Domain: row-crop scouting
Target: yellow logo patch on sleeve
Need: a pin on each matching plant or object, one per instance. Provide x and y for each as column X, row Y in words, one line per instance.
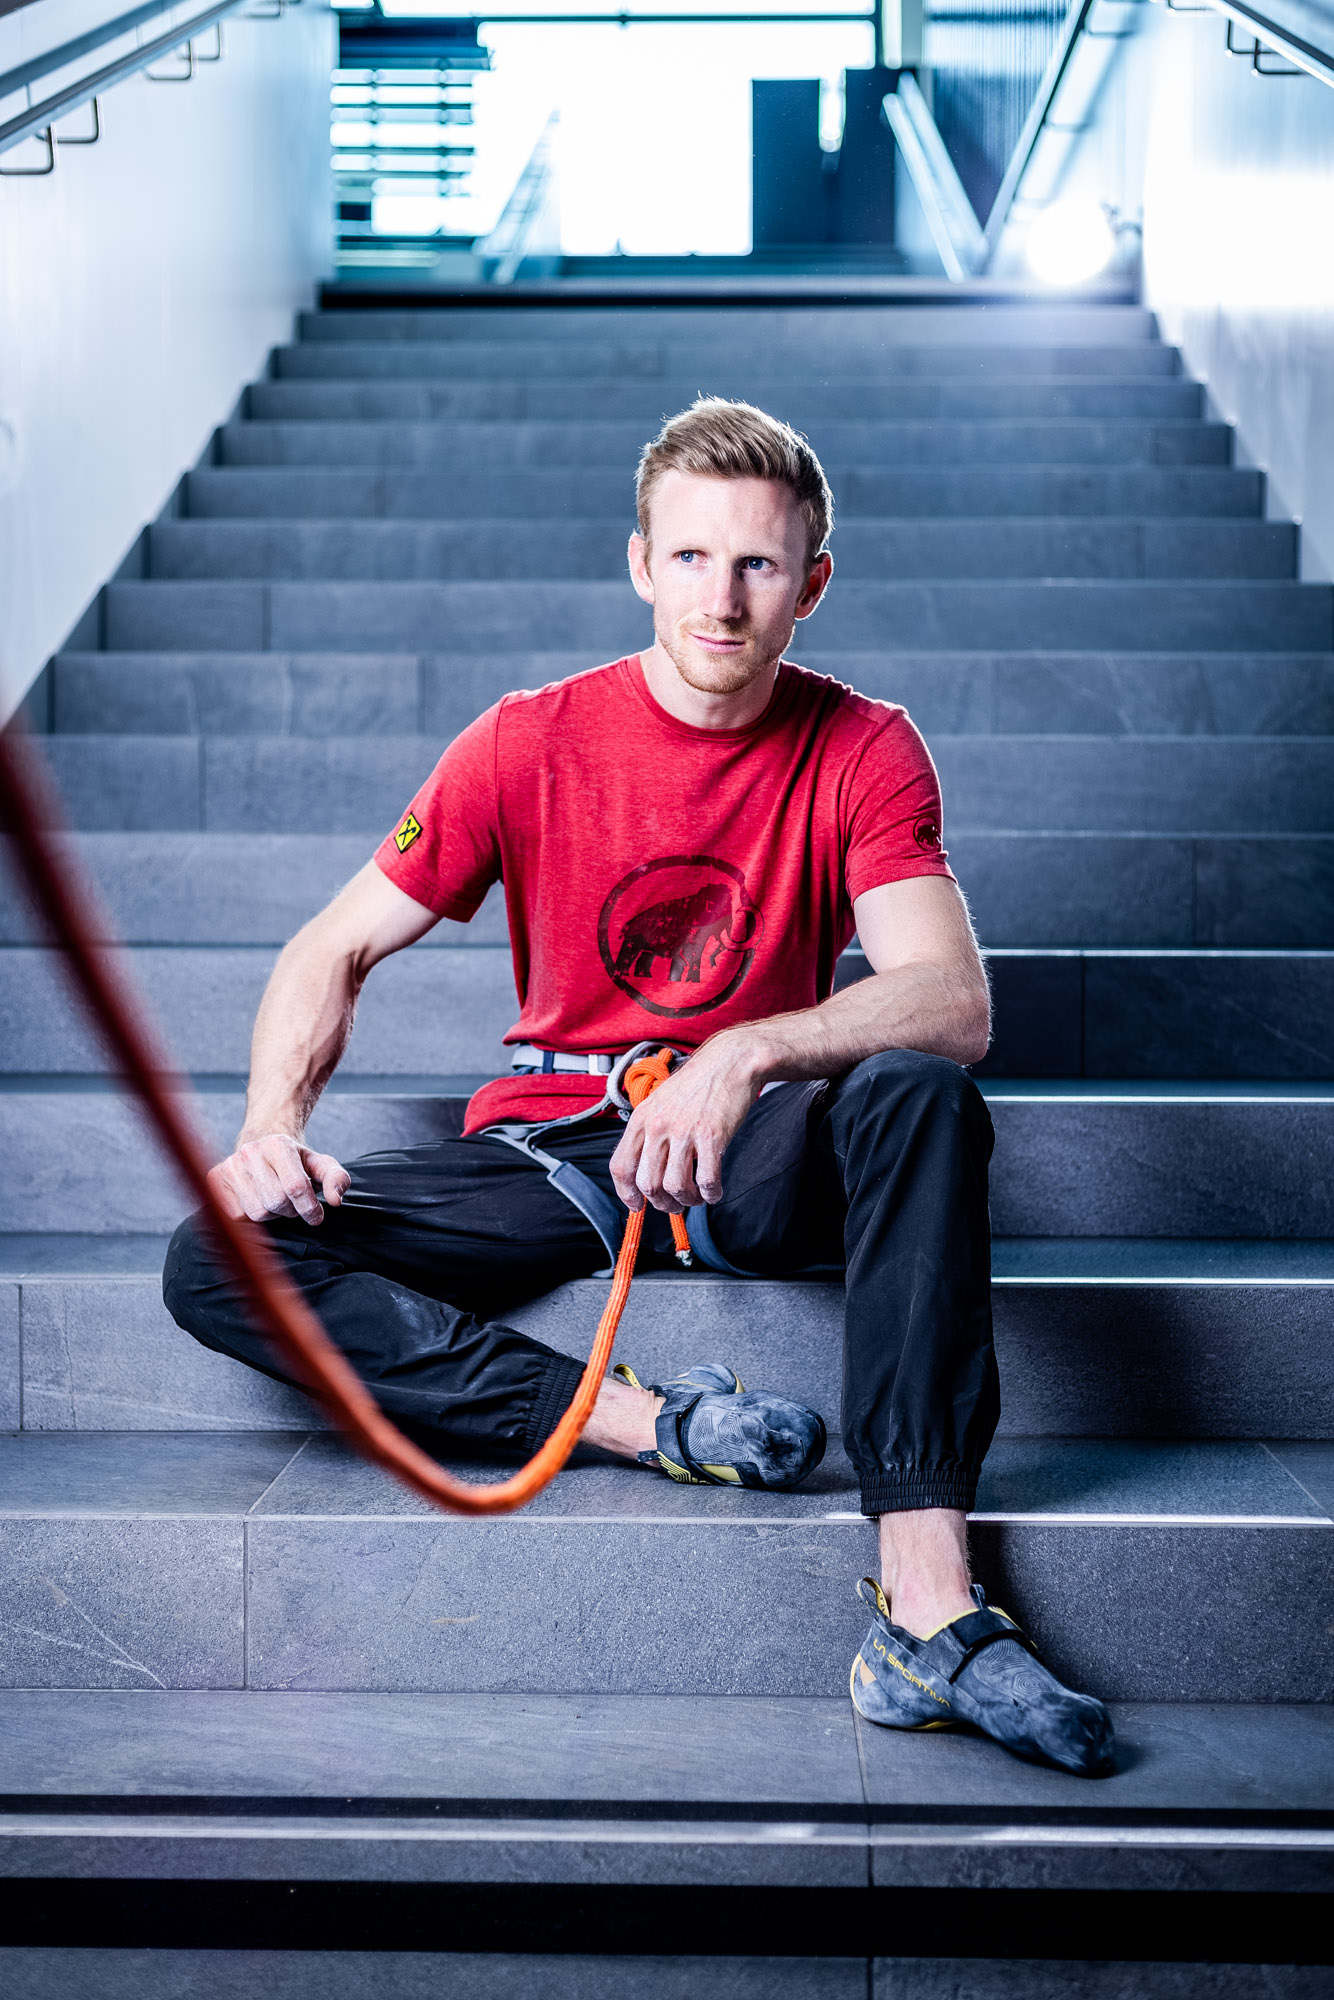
column 407, row 833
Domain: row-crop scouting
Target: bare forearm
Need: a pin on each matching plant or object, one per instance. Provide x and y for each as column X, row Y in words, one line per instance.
column 672, row 1149
column 301, row 1030
column 940, row 1009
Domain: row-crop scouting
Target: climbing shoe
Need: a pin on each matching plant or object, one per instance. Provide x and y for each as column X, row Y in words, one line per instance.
column 712, row 1431
column 979, row 1669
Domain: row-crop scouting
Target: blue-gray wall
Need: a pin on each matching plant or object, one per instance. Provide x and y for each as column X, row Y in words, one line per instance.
column 140, row 287
column 1231, row 179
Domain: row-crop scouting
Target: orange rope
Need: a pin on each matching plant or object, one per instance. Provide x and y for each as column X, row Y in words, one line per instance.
column 657, row 1069
column 67, row 902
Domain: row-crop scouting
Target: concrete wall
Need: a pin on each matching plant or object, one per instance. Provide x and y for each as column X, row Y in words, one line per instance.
column 140, row 286
column 1239, row 256
column 1232, row 178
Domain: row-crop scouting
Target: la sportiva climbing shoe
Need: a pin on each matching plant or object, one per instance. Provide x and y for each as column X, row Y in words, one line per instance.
column 712, row 1431
column 979, row 1669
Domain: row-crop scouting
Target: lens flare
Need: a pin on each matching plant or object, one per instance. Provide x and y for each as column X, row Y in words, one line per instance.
column 1070, row 242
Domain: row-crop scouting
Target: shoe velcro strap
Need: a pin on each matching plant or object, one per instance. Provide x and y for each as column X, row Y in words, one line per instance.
column 692, row 1465
column 981, row 1629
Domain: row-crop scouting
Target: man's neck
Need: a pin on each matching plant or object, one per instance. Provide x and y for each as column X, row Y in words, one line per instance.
column 699, row 709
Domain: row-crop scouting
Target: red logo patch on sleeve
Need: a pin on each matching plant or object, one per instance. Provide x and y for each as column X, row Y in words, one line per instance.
column 926, row 833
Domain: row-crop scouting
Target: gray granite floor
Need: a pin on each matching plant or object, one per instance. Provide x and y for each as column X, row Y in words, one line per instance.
column 64, row 1974
column 680, row 1752
column 1014, row 1258
column 313, row 1975
column 293, row 1474
column 1161, row 1258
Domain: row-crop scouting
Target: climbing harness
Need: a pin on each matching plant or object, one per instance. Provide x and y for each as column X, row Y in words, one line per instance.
column 579, row 1188
column 63, row 895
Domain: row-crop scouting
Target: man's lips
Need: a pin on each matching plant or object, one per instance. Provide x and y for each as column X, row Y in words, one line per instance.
column 716, row 642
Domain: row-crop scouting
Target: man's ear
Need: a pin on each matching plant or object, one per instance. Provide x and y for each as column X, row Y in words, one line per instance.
column 820, row 572
column 639, row 570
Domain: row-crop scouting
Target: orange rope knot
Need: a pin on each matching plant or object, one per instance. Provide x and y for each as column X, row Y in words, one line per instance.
column 640, row 1081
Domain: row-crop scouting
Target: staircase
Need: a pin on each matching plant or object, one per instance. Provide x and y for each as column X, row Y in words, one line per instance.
column 260, row 1697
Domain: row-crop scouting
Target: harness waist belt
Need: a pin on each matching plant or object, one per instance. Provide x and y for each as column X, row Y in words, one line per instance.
column 552, row 1062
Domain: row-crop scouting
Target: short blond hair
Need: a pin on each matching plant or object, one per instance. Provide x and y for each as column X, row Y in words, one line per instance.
column 717, row 439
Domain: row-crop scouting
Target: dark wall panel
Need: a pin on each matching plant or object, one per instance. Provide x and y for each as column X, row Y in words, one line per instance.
column 787, row 178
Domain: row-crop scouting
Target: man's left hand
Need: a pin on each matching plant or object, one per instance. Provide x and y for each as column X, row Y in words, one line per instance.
column 671, row 1152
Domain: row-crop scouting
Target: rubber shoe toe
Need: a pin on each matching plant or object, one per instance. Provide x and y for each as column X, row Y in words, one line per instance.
column 1013, row 1697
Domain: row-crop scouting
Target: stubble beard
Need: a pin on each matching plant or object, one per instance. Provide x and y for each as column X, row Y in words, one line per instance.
column 728, row 675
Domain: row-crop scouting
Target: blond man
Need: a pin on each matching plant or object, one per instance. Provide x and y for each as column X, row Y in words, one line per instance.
column 687, row 839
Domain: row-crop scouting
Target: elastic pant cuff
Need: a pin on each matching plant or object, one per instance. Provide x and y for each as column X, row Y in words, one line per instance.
column 908, row 1493
column 554, row 1395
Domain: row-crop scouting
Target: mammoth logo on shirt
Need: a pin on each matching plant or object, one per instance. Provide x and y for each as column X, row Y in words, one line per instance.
column 678, row 934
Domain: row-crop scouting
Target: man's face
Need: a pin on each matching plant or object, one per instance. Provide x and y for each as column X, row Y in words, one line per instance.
column 726, row 572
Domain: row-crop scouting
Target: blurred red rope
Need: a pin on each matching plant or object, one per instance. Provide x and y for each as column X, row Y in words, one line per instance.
column 68, row 904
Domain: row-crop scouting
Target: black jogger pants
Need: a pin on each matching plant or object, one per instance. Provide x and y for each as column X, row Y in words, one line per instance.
column 882, row 1171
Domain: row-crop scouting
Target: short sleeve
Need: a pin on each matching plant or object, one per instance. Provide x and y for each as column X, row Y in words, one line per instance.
column 445, row 850
column 894, row 811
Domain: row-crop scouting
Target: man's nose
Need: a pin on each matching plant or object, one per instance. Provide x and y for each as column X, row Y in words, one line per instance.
column 724, row 596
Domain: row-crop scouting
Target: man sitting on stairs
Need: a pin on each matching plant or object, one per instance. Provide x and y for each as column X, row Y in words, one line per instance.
column 687, row 839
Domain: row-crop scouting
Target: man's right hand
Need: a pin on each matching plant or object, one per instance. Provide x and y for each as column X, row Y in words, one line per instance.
column 275, row 1175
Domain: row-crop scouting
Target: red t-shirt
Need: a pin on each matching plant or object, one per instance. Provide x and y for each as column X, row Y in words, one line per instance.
column 662, row 879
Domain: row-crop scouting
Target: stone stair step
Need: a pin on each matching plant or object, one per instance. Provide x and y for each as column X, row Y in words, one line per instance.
column 937, row 334
column 1098, row 1014
column 274, row 1561
column 806, row 398
column 1073, row 1158
column 625, row 353
column 531, row 443
column 216, row 888
column 1144, row 1013
column 488, row 385
column 360, row 1799
column 395, row 694
column 921, row 491
column 486, row 1920
column 1134, row 1341
column 423, row 1013
column 1226, row 891
column 1163, row 1486
column 606, row 620
column 1118, row 784
column 585, row 549
column 1245, row 890
column 678, row 366
column 1046, row 489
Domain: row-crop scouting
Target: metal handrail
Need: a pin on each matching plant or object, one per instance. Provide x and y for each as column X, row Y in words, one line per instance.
column 1302, row 55
column 631, row 20
column 82, row 45
column 948, row 211
column 909, row 120
column 1072, row 31
column 508, row 241
column 37, row 120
